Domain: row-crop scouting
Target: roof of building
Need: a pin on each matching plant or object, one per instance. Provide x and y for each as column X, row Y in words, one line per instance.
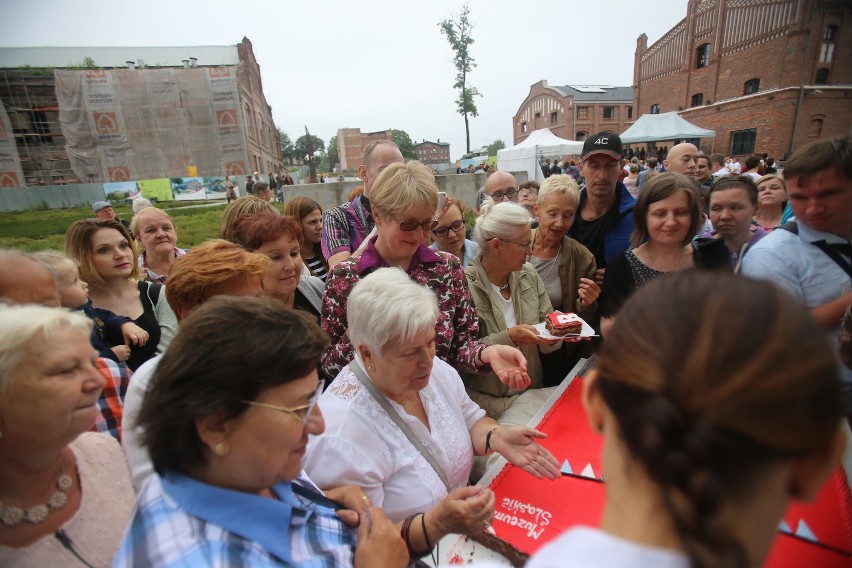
column 12, row 57
column 438, row 143
column 596, row 92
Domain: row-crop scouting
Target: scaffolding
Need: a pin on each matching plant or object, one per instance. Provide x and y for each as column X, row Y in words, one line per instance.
column 29, row 97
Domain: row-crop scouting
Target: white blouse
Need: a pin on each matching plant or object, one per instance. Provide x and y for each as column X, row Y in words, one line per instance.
column 362, row 446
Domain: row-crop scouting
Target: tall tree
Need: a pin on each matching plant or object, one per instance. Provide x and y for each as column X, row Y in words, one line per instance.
column 458, row 34
column 331, row 156
column 287, row 151
column 494, row 146
column 300, row 147
column 406, row 146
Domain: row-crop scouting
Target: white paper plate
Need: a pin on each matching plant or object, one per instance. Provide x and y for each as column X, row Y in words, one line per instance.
column 587, row 331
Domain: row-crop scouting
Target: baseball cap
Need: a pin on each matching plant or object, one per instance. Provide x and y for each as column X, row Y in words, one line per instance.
column 98, row 205
column 606, row 142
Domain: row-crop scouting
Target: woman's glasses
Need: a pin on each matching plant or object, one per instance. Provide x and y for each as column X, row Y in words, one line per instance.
column 444, row 231
column 411, row 224
column 301, row 413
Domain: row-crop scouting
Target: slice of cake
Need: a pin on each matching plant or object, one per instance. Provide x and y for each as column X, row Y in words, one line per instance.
column 560, row 324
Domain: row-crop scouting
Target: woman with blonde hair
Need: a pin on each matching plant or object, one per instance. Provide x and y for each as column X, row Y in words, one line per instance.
column 771, row 201
column 65, row 493
column 309, row 215
column 108, row 263
column 404, row 199
column 156, row 234
column 238, row 209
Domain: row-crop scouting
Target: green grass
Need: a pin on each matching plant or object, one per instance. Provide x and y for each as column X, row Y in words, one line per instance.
column 45, row 229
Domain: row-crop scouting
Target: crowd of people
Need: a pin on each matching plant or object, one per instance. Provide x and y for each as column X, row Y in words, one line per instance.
column 314, row 387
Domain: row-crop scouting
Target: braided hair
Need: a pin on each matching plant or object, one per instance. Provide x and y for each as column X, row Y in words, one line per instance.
column 714, row 378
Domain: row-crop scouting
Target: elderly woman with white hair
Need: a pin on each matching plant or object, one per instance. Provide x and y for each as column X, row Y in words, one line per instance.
column 509, row 297
column 400, row 425
column 65, row 493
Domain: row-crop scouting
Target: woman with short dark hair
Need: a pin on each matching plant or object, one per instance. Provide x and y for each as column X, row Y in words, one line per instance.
column 667, row 216
column 228, row 452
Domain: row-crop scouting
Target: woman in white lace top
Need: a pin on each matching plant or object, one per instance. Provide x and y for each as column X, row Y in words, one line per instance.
column 396, row 375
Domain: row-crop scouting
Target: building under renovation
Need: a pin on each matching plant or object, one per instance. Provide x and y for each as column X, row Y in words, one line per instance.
column 111, row 114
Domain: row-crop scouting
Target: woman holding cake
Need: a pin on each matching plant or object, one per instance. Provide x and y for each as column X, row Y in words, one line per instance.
column 710, row 430
column 510, row 298
column 404, row 199
column 395, row 396
column 667, row 217
column 566, row 267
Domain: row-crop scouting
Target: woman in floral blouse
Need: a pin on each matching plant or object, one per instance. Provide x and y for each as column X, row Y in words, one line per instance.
column 404, row 199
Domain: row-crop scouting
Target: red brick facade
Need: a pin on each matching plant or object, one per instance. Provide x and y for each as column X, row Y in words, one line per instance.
column 351, row 143
column 433, row 152
column 573, row 112
column 263, row 142
column 782, row 69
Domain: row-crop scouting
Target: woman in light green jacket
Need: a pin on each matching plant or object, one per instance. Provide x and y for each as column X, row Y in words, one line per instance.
column 510, row 298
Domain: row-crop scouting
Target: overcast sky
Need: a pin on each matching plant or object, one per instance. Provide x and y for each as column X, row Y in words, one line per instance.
column 373, row 65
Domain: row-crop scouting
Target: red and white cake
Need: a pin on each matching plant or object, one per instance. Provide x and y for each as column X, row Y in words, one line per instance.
column 560, row 324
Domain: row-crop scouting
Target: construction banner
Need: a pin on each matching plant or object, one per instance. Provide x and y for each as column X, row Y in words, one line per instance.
column 11, row 174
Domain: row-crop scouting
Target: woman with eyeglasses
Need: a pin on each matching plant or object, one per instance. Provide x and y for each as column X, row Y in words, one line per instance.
column 510, row 298
column 229, row 487
column 395, row 395
column 404, row 199
column 449, row 233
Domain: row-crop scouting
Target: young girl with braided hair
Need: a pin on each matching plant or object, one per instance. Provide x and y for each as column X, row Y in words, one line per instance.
column 719, row 401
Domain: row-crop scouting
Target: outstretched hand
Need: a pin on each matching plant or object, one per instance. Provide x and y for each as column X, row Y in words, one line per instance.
column 518, row 445
column 508, row 364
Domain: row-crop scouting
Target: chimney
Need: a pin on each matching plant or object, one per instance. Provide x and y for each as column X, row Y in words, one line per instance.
column 131, row 64
column 140, row 63
column 185, row 63
column 193, row 62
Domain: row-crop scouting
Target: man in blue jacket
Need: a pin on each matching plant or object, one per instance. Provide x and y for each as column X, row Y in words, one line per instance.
column 604, row 218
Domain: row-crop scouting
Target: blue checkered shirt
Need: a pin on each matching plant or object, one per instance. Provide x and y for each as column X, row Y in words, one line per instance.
column 179, row 521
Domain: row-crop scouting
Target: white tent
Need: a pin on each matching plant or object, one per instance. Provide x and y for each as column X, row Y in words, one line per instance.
column 666, row 126
column 523, row 157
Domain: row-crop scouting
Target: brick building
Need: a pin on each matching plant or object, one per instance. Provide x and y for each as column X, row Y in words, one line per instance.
column 106, row 114
column 433, row 152
column 351, row 143
column 573, row 112
column 767, row 76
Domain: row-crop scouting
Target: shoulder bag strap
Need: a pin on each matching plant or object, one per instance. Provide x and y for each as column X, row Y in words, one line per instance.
column 834, row 254
column 394, row 415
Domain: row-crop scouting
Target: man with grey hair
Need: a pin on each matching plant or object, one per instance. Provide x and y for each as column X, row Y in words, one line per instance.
column 345, row 227
column 26, row 280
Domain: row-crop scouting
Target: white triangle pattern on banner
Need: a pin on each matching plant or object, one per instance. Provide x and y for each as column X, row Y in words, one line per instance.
column 589, row 472
column 566, row 468
column 804, row 531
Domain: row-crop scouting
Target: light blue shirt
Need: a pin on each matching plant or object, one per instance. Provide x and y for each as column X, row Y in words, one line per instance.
column 801, row 268
column 470, row 251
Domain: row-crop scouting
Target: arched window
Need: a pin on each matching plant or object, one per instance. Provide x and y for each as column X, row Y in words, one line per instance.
column 815, row 129
column 830, row 33
column 581, row 136
column 821, row 76
column 751, row 86
column 697, row 99
column 249, row 120
column 702, row 55
column 655, row 109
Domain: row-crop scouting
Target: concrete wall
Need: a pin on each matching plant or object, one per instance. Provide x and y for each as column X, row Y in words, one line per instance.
column 50, row 196
column 331, row 194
